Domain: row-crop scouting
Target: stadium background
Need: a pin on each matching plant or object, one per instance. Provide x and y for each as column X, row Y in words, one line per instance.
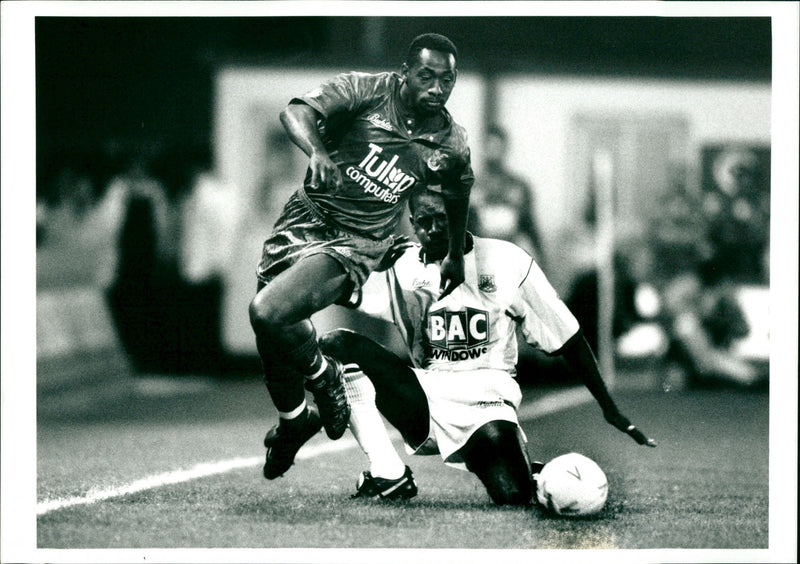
column 659, row 94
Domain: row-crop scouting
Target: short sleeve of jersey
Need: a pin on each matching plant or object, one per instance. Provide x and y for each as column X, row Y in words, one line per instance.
column 545, row 320
column 345, row 93
column 457, row 183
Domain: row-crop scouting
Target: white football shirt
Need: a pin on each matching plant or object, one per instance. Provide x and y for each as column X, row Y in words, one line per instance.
column 473, row 327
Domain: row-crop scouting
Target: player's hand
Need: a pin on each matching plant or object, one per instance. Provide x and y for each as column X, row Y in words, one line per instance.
column 623, row 424
column 401, row 243
column 324, row 173
column 452, row 274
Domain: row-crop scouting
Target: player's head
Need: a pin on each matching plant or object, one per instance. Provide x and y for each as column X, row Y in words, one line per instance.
column 429, row 220
column 432, row 41
column 429, row 73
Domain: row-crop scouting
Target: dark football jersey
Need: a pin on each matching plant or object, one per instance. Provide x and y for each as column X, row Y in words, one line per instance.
column 382, row 152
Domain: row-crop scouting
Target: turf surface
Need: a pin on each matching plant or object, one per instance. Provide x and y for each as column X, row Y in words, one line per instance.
column 705, row 486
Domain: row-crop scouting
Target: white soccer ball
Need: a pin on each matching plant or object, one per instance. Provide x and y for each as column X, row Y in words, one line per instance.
column 572, row 484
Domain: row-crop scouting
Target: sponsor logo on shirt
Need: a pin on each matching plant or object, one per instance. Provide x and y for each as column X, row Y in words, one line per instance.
column 458, row 335
column 496, row 403
column 380, row 176
column 378, row 121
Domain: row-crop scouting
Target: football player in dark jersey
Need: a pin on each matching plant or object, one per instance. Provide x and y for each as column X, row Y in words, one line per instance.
column 371, row 139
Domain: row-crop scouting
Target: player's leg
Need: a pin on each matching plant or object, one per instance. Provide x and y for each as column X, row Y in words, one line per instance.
column 398, row 394
column 290, row 355
column 402, row 399
column 496, row 455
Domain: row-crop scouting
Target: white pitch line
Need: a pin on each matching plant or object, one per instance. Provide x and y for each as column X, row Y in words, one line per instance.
column 174, row 477
column 554, row 402
column 539, row 408
column 202, row 470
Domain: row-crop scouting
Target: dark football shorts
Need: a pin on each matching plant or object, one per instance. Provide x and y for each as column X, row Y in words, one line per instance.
column 301, row 231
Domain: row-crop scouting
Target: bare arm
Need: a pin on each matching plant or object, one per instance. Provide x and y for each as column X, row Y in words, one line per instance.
column 452, row 269
column 300, row 122
column 529, row 225
column 579, row 357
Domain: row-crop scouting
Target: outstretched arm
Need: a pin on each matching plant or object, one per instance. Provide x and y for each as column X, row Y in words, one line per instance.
column 452, row 269
column 300, row 122
column 579, row 357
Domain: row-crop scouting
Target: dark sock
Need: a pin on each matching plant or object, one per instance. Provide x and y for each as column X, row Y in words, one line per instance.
column 282, row 373
column 285, row 386
column 307, row 358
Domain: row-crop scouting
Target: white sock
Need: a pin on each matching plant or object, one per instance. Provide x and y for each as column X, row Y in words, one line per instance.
column 293, row 414
column 367, row 426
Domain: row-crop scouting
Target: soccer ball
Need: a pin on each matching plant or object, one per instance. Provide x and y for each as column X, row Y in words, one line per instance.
column 572, row 485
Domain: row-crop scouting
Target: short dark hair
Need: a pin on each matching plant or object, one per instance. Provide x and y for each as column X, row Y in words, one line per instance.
column 427, row 191
column 432, row 41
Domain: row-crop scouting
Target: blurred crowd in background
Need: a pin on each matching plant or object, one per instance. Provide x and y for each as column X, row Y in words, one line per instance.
column 699, row 271
column 133, row 211
column 680, row 286
column 147, row 225
column 153, row 226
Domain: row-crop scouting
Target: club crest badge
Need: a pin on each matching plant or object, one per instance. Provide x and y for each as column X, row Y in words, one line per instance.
column 486, row 283
column 437, row 160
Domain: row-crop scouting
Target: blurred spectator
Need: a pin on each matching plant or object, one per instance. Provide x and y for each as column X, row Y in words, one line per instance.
column 736, row 207
column 145, row 266
column 209, row 212
column 678, row 235
column 64, row 202
column 177, row 219
column 584, row 304
column 702, row 323
column 146, row 240
column 75, row 225
column 701, row 316
column 502, row 203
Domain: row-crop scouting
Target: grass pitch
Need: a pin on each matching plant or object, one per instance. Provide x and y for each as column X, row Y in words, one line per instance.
column 704, row 487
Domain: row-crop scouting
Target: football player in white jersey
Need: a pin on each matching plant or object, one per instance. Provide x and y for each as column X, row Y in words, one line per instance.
column 460, row 398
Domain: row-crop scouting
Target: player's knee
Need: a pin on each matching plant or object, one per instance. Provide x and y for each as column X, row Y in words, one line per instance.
column 337, row 343
column 506, row 479
column 495, row 455
column 265, row 316
column 257, row 311
column 332, row 342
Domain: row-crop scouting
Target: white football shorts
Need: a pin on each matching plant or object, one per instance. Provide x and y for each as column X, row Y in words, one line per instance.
column 462, row 402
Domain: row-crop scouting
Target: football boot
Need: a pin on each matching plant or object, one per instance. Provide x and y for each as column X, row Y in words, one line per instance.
column 329, row 395
column 369, row 486
column 285, row 439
